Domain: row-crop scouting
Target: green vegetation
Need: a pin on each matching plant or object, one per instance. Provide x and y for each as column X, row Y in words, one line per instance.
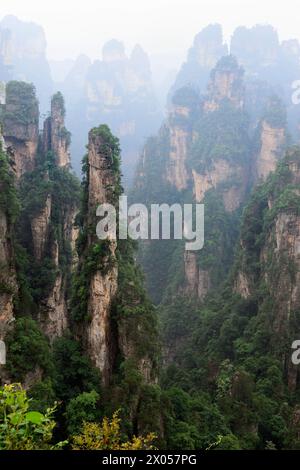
column 230, row 347
column 58, row 101
column 222, row 134
column 9, row 203
column 20, row 427
column 61, row 190
column 21, row 104
column 275, row 114
column 28, row 350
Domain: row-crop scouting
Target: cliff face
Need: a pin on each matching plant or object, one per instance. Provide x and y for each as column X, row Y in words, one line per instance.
column 109, row 304
column 226, row 82
column 8, row 284
column 102, row 285
column 48, row 222
column 59, row 215
column 277, row 256
column 56, row 138
column 202, row 148
column 180, row 138
column 272, row 139
column 20, row 125
column 272, row 144
column 9, row 209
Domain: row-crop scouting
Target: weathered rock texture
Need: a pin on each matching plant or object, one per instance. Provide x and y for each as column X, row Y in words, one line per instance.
column 272, row 143
column 20, row 125
column 278, row 257
column 56, row 137
column 103, row 284
column 8, row 285
column 180, row 137
column 226, row 82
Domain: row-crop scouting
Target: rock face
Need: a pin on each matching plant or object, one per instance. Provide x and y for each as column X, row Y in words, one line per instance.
column 111, row 323
column 103, row 284
column 8, row 283
column 278, row 257
column 20, row 125
column 226, row 82
column 53, row 312
column 197, row 281
column 56, row 137
column 21, row 137
column 272, row 144
column 176, row 172
column 40, row 229
column 202, row 147
column 221, row 172
column 7, row 277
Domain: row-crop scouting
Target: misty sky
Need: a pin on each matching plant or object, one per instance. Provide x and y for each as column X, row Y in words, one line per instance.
column 160, row 26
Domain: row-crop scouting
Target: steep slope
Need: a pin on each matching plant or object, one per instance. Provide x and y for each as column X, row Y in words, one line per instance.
column 9, row 209
column 106, row 271
column 202, row 154
column 237, row 346
column 74, row 314
column 21, row 125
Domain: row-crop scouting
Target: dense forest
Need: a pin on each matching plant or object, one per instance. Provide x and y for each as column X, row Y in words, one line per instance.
column 128, row 344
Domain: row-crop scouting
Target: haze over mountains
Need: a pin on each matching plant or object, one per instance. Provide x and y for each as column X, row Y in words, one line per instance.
column 120, row 89
column 194, row 346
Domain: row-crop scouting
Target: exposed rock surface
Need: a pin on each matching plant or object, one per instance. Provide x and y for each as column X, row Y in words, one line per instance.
column 20, row 125
column 7, row 276
column 226, row 82
column 56, row 137
column 176, row 172
column 272, row 144
column 103, row 285
column 278, row 257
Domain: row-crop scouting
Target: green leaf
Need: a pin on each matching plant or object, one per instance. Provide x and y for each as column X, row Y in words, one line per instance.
column 34, row 417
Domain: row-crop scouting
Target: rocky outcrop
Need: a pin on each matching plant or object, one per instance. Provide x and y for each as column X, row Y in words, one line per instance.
column 272, row 145
column 20, row 125
column 221, row 172
column 56, row 138
column 275, row 263
column 197, row 280
column 53, row 310
column 226, row 82
column 40, row 229
column 176, row 172
column 103, row 283
column 8, row 285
